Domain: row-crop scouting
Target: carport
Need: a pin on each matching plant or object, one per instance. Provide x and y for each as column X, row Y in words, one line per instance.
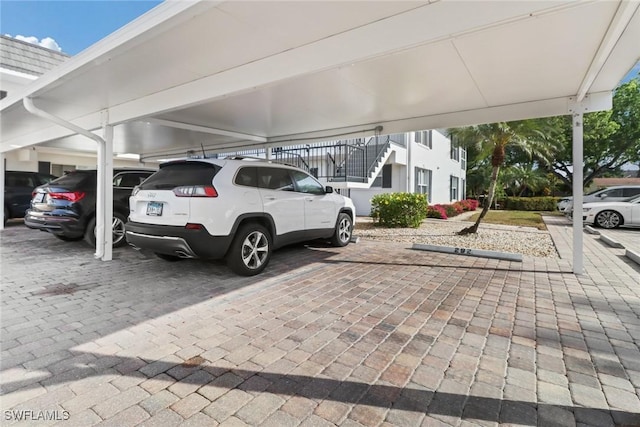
column 230, row 75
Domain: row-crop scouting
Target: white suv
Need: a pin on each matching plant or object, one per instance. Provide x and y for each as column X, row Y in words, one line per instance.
column 240, row 210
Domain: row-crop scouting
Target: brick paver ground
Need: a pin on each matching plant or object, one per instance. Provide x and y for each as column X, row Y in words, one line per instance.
column 371, row 334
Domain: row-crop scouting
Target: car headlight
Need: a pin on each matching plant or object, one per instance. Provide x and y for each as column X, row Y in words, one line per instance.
column 586, row 209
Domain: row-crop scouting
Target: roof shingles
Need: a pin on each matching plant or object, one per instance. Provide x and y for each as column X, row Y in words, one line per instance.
column 28, row 58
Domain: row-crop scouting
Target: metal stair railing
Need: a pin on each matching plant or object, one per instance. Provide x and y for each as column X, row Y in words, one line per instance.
column 352, row 160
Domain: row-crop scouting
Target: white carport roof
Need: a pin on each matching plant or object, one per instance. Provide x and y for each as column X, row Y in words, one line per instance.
column 235, row 73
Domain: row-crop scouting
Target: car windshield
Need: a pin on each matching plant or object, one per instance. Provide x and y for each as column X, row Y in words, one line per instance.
column 594, row 192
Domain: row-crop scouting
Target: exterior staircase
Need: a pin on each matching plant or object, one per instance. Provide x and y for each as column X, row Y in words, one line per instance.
column 352, row 163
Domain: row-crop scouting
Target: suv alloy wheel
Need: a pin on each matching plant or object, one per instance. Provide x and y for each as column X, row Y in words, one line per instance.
column 250, row 251
column 342, row 236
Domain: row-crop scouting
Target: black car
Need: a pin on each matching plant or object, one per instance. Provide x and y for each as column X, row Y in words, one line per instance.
column 66, row 207
column 18, row 187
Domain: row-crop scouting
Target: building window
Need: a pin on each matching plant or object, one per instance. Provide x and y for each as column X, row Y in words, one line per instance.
column 455, row 149
column 454, row 187
column 425, row 138
column 423, row 182
column 463, row 159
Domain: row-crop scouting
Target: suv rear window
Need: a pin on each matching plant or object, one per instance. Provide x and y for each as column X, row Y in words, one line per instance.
column 173, row 175
column 74, row 179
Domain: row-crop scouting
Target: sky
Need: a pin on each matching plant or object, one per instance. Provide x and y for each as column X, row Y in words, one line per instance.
column 67, row 26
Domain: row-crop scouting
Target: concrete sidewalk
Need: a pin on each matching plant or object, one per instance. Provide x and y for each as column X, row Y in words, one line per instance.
column 371, row 334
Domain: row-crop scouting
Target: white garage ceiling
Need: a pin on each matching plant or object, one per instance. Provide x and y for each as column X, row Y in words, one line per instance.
column 275, row 72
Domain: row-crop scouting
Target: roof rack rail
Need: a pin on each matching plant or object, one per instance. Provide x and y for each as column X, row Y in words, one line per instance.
column 239, row 157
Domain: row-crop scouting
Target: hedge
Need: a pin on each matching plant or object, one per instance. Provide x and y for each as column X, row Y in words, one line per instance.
column 531, row 203
column 399, row 209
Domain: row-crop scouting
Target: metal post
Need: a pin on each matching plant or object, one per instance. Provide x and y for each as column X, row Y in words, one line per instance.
column 578, row 161
column 107, row 174
column 2, row 183
column 99, row 254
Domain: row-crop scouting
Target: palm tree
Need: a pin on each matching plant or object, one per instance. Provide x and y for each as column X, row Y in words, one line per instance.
column 525, row 176
column 493, row 140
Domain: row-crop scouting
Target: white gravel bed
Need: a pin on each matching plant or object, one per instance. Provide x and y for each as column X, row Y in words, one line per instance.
column 521, row 240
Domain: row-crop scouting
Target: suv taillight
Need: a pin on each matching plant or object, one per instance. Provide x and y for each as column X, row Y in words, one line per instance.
column 72, row 196
column 195, row 191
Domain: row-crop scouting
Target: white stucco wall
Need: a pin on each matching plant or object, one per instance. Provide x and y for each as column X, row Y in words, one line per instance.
column 437, row 159
column 27, row 160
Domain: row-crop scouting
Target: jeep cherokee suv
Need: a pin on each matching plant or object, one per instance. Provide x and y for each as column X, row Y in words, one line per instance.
column 240, row 210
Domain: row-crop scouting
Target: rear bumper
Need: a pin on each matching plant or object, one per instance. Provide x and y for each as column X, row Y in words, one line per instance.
column 177, row 241
column 61, row 225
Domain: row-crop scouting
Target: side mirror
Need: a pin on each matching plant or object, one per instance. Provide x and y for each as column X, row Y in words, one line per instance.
column 603, row 196
column 328, row 189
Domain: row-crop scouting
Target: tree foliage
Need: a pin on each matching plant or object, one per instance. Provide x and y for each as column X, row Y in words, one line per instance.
column 498, row 141
column 611, row 138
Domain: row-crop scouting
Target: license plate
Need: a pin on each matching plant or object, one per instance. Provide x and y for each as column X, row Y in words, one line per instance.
column 38, row 198
column 154, row 209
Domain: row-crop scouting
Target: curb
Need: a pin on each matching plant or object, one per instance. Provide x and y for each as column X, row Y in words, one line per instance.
column 633, row 256
column 469, row 252
column 589, row 229
column 611, row 242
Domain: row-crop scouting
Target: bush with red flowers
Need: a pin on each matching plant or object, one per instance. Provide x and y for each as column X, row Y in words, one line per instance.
column 450, row 210
column 437, row 211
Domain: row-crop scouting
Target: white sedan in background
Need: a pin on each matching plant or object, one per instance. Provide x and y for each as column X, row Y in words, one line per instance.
column 613, row 214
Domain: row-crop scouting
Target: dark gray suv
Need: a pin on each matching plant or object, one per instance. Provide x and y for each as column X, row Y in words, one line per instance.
column 66, row 207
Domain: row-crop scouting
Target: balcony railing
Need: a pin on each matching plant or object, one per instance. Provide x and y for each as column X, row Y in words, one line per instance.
column 352, row 160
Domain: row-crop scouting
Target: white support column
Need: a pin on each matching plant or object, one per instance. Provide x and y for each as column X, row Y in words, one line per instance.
column 100, row 204
column 2, row 188
column 104, row 193
column 108, row 194
column 268, row 153
column 578, row 164
column 577, row 107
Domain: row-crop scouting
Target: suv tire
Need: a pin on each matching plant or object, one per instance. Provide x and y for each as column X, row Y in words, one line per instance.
column 250, row 251
column 342, row 235
column 117, row 228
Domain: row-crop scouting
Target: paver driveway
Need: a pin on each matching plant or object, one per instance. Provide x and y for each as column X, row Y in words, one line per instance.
column 369, row 334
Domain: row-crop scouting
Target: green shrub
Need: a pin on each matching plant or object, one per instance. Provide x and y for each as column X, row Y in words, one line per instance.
column 399, row 209
column 531, row 203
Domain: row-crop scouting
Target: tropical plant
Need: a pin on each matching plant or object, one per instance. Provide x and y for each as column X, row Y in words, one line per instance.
column 525, row 178
column 493, row 140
